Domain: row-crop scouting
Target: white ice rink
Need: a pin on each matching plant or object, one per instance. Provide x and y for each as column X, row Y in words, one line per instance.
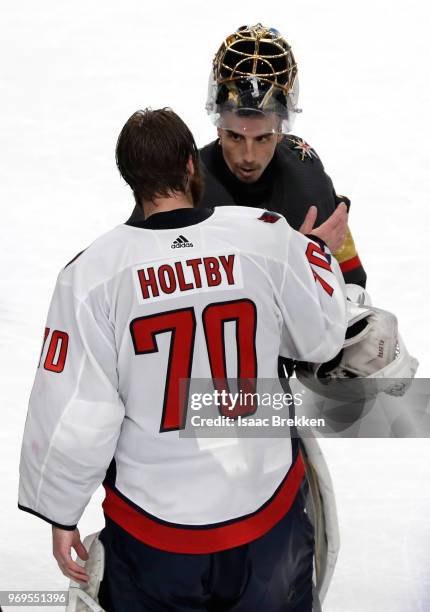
column 72, row 72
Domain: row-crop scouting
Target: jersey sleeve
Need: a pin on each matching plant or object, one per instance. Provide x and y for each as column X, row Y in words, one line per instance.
column 350, row 263
column 75, row 412
column 347, row 256
column 312, row 301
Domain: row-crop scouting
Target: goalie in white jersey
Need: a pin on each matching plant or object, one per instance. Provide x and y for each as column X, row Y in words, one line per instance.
column 140, row 310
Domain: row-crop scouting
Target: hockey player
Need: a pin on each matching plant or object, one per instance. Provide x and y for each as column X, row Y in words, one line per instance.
column 185, row 293
column 256, row 161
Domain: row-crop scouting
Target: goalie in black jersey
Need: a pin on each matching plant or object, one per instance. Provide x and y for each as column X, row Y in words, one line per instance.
column 256, row 160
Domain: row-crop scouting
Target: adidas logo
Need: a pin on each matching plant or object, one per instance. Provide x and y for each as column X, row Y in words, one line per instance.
column 181, row 242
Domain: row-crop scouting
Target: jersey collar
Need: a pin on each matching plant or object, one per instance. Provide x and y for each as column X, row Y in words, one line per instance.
column 180, row 217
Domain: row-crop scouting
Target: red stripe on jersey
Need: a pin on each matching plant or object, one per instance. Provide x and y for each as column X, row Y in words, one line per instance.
column 350, row 264
column 206, row 540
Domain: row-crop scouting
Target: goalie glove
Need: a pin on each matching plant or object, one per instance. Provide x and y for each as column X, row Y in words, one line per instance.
column 84, row 598
column 373, row 349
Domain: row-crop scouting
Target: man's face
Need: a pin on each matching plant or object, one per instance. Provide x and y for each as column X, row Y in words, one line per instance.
column 248, row 144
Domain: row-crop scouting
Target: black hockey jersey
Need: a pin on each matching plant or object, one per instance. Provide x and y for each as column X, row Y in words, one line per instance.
column 293, row 181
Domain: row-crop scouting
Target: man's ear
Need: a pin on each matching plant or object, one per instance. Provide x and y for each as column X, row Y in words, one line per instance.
column 219, row 131
column 279, row 138
column 190, row 166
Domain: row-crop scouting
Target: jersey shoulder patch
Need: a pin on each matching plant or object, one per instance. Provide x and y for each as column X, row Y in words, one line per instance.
column 301, row 148
column 269, row 216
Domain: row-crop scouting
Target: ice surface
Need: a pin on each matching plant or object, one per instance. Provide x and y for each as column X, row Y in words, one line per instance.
column 72, row 73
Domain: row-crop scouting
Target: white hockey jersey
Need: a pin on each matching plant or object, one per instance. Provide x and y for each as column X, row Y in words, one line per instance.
column 214, row 295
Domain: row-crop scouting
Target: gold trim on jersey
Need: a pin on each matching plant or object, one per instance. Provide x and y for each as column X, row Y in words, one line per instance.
column 347, row 250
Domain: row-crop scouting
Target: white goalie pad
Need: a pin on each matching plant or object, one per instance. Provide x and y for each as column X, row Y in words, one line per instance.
column 321, row 508
column 84, row 597
column 375, row 354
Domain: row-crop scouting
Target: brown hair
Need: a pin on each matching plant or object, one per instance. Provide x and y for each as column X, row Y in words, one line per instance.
column 152, row 153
